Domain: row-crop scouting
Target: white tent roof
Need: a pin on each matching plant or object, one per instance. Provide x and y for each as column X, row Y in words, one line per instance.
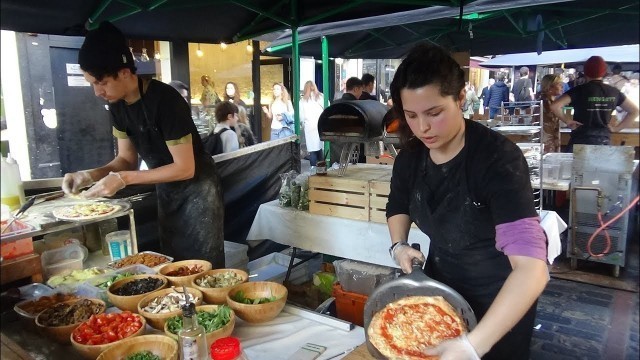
column 611, row 54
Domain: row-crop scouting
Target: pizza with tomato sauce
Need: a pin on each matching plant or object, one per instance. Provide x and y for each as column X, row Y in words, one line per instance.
column 404, row 328
column 85, row 211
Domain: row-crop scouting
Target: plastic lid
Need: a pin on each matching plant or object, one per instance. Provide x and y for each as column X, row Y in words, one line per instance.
column 227, row 348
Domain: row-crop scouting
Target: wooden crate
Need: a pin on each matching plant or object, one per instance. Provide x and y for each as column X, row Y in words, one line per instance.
column 347, row 196
column 379, row 190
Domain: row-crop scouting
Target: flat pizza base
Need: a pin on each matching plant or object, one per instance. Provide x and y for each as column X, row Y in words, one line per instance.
column 413, row 334
column 62, row 212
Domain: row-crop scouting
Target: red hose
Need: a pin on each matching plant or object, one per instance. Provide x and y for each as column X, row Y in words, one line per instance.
column 603, row 226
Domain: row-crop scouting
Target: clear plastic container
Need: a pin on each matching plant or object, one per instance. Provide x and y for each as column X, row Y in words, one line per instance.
column 66, row 258
column 119, row 243
column 227, row 348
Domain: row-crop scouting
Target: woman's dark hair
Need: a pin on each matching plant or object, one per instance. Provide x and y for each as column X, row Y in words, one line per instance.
column 424, row 65
column 235, row 95
column 224, row 109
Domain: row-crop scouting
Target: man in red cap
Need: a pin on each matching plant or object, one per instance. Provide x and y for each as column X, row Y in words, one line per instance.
column 593, row 103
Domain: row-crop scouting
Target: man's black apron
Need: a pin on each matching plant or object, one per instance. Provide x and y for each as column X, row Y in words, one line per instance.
column 462, row 251
column 190, row 212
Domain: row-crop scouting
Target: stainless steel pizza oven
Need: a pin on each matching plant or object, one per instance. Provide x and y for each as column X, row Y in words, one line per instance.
column 350, row 123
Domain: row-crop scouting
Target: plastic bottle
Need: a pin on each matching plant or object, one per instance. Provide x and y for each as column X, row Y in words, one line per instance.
column 193, row 343
column 227, row 348
column 12, row 188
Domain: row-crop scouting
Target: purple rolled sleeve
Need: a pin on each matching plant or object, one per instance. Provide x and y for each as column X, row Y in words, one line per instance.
column 524, row 237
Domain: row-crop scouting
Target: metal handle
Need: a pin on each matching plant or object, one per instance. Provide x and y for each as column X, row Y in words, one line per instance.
column 416, row 263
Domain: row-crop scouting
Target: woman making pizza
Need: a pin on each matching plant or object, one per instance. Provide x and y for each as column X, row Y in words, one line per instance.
column 468, row 189
column 151, row 119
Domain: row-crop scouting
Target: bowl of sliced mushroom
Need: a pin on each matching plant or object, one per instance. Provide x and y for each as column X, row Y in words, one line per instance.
column 161, row 305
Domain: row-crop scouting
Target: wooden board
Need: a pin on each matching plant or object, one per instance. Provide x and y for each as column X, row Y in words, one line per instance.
column 22, row 267
column 360, row 353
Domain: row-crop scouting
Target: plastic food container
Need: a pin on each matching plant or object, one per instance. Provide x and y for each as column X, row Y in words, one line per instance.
column 113, row 264
column 66, row 258
column 119, row 243
column 360, row 277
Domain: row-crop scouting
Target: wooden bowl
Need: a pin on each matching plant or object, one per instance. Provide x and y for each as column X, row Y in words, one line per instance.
column 62, row 334
column 93, row 351
column 184, row 280
column 160, row 345
column 131, row 302
column 217, row 295
column 157, row 320
column 253, row 290
column 224, row 331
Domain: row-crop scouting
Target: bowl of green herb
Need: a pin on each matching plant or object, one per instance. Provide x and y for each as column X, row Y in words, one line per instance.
column 258, row 301
column 218, row 322
column 144, row 347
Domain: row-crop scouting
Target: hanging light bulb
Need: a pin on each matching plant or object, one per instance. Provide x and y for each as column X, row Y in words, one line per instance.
column 199, row 52
column 249, row 46
column 223, row 45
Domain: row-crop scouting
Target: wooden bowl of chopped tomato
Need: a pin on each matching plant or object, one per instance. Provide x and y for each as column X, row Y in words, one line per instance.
column 102, row 331
column 182, row 273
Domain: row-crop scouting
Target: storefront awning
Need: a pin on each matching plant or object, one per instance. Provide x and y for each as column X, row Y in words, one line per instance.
column 611, row 54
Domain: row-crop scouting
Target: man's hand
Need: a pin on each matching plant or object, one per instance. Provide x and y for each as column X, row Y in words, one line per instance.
column 455, row 349
column 108, row 186
column 403, row 255
column 72, row 183
column 572, row 124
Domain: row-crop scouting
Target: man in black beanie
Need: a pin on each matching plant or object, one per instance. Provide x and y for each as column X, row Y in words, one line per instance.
column 151, row 119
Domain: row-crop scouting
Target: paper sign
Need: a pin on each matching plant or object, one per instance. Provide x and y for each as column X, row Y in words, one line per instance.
column 77, row 81
column 74, row 69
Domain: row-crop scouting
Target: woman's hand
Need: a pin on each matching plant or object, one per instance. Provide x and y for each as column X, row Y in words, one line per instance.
column 454, row 349
column 403, row 255
column 108, row 186
column 265, row 109
column 572, row 124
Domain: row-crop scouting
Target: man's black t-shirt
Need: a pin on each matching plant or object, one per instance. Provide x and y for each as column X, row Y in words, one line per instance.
column 593, row 104
column 497, row 176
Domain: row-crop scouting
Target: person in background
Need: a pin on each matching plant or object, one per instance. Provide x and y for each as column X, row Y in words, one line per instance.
column 279, row 111
column 368, row 84
column 353, row 89
column 485, row 93
column 243, row 129
column 232, row 94
column 565, row 86
column 209, row 99
column 523, row 88
column 550, row 87
column 593, row 104
column 468, row 188
column 227, row 118
column 311, row 106
column 150, row 119
column 498, row 93
column 470, row 100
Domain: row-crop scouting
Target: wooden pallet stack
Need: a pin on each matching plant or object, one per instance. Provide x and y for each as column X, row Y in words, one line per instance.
column 360, row 194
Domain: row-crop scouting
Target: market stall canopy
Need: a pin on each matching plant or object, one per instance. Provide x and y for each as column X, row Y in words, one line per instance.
column 611, row 54
column 487, row 27
column 207, row 21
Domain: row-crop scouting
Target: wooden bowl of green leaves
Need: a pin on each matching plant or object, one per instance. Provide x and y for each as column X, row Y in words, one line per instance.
column 218, row 322
column 257, row 302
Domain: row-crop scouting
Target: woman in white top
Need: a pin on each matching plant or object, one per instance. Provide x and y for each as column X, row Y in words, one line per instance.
column 227, row 116
column 311, row 107
column 279, row 109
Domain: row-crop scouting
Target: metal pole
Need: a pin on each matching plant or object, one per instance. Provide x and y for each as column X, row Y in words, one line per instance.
column 296, row 67
column 325, row 83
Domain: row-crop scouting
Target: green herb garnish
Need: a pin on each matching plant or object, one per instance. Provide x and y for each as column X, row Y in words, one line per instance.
column 239, row 297
column 210, row 320
column 106, row 284
column 143, row 355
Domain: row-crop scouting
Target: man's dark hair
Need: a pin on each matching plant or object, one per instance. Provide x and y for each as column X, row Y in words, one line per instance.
column 105, row 52
column 367, row 79
column 352, row 83
column 224, row 109
column 500, row 77
column 616, row 69
column 524, row 71
column 425, row 64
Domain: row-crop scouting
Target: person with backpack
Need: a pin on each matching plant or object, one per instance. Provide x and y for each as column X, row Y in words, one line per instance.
column 150, row 119
column 470, row 101
column 498, row 93
column 220, row 140
column 523, row 88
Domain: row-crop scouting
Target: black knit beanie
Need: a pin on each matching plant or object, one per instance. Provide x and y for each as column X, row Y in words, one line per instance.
column 105, row 51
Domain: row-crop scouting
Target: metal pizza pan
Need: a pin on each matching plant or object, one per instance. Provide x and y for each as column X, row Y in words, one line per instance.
column 417, row 283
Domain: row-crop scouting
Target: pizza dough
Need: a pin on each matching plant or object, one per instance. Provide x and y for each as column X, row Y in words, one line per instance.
column 404, row 328
column 85, row 211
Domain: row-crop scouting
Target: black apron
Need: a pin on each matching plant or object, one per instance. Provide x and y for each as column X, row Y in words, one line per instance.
column 190, row 212
column 462, row 251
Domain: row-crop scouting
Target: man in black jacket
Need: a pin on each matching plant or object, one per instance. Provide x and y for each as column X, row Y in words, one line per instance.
column 353, row 89
column 368, row 84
